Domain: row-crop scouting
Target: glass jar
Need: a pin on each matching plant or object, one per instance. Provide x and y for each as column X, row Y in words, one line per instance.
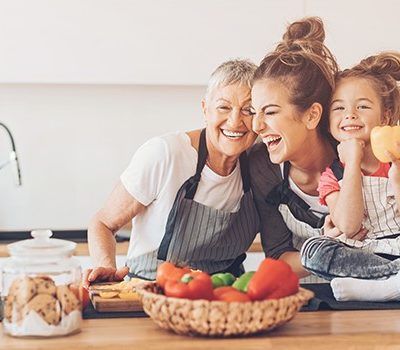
column 40, row 290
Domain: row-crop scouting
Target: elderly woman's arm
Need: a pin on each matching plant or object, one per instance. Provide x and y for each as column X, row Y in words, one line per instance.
column 119, row 209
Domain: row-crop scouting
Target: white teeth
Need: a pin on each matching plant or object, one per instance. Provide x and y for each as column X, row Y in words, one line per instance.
column 230, row 133
column 272, row 138
column 351, row 127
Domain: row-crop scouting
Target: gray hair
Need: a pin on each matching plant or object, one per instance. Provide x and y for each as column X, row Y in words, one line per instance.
column 237, row 71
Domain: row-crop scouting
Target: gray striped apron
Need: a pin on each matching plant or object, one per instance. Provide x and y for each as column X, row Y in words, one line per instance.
column 202, row 237
column 297, row 215
column 381, row 218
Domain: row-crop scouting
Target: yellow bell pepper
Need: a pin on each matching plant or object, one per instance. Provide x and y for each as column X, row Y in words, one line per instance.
column 385, row 138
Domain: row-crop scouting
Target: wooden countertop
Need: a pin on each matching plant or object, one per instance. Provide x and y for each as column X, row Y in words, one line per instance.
column 308, row 330
column 122, row 248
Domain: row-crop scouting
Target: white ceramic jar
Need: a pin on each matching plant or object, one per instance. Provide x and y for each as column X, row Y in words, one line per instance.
column 40, row 290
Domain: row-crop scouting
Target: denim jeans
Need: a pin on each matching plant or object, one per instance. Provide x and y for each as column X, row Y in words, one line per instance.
column 329, row 258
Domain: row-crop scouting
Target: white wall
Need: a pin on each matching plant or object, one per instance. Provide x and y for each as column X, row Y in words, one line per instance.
column 84, row 82
column 73, row 142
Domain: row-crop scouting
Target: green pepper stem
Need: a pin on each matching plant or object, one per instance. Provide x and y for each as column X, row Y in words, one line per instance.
column 186, row 278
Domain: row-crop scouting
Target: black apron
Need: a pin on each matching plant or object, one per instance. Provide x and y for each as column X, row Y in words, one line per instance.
column 282, row 194
column 202, row 237
column 299, row 218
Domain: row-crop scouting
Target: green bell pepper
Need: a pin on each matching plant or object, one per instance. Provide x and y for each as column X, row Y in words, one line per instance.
column 222, row 279
column 242, row 282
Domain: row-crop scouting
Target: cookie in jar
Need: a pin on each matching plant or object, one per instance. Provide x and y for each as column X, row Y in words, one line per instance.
column 37, row 288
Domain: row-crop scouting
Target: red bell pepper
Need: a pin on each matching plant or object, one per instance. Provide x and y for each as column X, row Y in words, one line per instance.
column 168, row 271
column 230, row 294
column 269, row 278
column 222, row 290
column 193, row 285
column 288, row 287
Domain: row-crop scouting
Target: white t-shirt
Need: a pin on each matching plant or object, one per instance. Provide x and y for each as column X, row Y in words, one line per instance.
column 312, row 201
column 156, row 172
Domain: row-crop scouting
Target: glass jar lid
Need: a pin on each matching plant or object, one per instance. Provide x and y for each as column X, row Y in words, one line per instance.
column 41, row 246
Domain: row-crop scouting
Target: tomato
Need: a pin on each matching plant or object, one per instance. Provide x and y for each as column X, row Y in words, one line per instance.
column 385, row 138
column 168, row 271
column 81, row 293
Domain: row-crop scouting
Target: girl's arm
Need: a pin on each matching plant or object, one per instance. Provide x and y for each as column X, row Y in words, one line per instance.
column 346, row 206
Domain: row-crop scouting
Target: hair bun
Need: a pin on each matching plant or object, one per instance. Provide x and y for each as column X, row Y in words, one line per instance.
column 383, row 63
column 309, row 29
column 306, row 35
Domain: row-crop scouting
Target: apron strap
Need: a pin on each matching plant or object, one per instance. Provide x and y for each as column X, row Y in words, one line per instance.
column 201, row 162
column 244, row 171
column 337, row 169
column 286, row 168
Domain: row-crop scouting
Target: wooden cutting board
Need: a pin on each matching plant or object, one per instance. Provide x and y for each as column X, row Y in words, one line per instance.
column 114, row 304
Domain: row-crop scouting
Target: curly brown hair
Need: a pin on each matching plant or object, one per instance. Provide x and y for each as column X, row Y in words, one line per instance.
column 383, row 71
column 305, row 66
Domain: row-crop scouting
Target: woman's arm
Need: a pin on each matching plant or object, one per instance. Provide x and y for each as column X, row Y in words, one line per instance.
column 118, row 210
column 293, row 259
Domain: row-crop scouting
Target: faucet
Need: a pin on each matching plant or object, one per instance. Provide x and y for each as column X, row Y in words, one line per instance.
column 13, row 159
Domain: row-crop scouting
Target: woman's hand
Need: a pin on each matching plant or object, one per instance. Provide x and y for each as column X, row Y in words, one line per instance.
column 103, row 274
column 330, row 230
column 351, row 151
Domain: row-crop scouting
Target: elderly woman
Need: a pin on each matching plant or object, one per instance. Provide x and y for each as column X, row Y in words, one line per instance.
column 187, row 193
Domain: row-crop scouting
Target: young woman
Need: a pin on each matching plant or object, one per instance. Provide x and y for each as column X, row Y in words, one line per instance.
column 291, row 92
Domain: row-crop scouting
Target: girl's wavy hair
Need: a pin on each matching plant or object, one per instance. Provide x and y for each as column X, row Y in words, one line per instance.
column 383, row 71
column 305, row 66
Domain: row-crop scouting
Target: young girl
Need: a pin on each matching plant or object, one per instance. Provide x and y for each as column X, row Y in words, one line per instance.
column 359, row 190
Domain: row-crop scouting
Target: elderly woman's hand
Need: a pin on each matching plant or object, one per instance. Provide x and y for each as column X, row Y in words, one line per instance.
column 330, row 230
column 103, row 274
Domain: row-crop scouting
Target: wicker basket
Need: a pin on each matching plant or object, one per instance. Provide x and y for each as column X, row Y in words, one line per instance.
column 219, row 318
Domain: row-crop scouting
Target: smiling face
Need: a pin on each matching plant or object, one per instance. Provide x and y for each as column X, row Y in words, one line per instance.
column 278, row 122
column 227, row 111
column 355, row 109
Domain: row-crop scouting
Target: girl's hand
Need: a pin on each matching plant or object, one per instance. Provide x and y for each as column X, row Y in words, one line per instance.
column 351, row 151
column 330, row 230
